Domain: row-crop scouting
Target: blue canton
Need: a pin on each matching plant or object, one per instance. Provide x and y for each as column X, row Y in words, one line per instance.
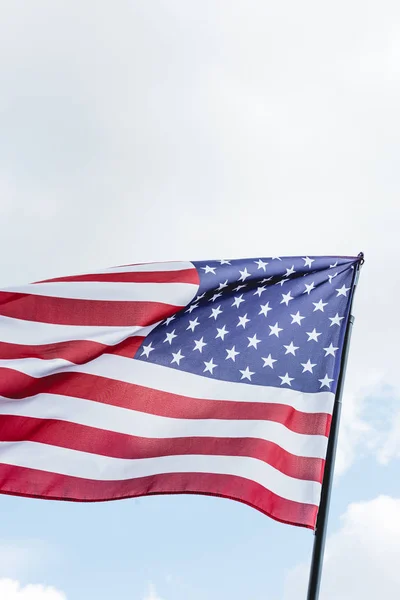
column 271, row 321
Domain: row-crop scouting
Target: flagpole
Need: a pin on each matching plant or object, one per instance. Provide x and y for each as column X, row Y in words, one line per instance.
column 314, row 581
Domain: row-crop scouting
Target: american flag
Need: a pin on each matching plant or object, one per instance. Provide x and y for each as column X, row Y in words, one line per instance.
column 213, row 377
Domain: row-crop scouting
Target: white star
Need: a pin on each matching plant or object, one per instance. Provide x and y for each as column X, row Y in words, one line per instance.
column 290, row 271
column 286, row 298
column 191, row 308
column 342, row 291
column 208, row 269
column 286, row 379
column 275, row 329
column 253, row 341
column 193, row 324
column 199, row 297
column 223, row 285
column 244, row 274
column 291, row 349
column 209, row 366
column 276, row 258
column 259, row 291
column 281, row 282
column 260, row 264
column 168, row 321
column 309, row 288
column 333, row 266
column 330, row 277
column 326, row 381
column 238, row 301
column 199, row 345
column 265, row 308
column 239, row 287
column 243, row 321
column 266, row 279
column 217, row 295
column 147, row 350
column 297, row 318
column 313, row 335
column 308, row 262
column 170, row 337
column 225, row 262
column 215, row 312
column 221, row 333
column 330, row 350
column 232, row 353
column 308, row 366
column 336, row 320
column 246, row 374
column 319, row 306
column 269, row 361
column 177, row 357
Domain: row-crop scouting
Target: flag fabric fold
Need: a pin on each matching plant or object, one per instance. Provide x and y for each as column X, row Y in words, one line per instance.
column 214, row 377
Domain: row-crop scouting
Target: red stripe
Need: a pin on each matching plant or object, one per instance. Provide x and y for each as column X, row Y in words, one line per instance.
column 184, row 276
column 75, row 351
column 41, row 484
column 14, row 384
column 107, row 443
column 68, row 311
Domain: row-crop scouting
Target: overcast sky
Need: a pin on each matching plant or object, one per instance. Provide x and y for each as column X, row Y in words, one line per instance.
column 172, row 129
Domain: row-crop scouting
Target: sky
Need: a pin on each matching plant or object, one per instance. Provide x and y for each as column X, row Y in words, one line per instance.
column 154, row 130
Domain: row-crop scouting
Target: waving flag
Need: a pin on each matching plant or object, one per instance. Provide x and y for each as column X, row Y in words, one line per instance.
column 210, row 377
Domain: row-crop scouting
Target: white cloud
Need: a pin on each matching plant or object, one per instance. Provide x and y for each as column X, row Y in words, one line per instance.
column 13, row 590
column 152, row 594
column 188, row 111
column 358, row 431
column 362, row 558
column 17, row 556
column 24, row 557
column 370, row 422
column 386, row 443
column 390, row 447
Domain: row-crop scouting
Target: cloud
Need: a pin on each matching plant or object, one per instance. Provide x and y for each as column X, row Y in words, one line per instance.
column 362, row 558
column 152, row 594
column 384, row 411
column 390, row 448
column 13, row 590
column 181, row 111
column 370, row 423
column 23, row 557
column 358, row 430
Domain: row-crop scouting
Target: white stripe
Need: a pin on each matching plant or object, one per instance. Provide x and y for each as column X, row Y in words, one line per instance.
column 150, row 267
column 31, row 333
column 171, row 380
column 178, row 294
column 131, row 422
column 65, row 461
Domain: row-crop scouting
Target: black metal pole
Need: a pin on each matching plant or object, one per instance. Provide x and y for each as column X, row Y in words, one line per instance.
column 322, row 519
